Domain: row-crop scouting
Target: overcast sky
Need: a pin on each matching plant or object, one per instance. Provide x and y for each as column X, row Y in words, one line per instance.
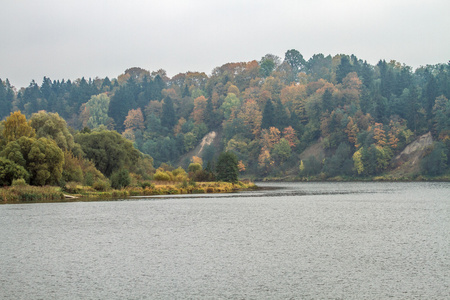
column 68, row 39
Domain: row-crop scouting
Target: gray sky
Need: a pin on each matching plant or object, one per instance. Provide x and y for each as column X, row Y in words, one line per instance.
column 68, row 39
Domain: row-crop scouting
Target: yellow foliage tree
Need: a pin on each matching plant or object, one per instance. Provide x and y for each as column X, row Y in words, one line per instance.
column 301, row 167
column 357, row 161
column 16, row 126
column 352, row 132
column 251, row 115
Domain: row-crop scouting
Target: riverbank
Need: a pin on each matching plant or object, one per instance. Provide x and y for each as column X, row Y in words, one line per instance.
column 323, row 178
column 27, row 193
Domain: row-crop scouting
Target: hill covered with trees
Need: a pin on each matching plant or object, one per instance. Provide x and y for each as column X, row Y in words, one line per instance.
column 267, row 112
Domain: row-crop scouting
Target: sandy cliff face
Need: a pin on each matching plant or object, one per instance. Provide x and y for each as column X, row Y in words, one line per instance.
column 212, row 138
column 408, row 161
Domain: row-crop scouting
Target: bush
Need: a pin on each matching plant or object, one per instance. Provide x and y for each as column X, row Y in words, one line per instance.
column 101, row 185
column 147, row 184
column 161, row 176
column 89, row 179
column 72, row 187
column 120, row 179
column 19, row 182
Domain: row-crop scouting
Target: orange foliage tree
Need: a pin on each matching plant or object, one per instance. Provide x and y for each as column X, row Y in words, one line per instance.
column 379, row 134
column 198, row 114
column 134, row 119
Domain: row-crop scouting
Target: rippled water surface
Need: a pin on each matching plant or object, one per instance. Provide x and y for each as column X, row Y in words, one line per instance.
column 289, row 241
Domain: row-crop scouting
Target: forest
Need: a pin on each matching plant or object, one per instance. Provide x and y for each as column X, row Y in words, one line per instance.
column 266, row 112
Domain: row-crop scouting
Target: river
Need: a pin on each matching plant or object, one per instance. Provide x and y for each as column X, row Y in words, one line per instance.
column 287, row 241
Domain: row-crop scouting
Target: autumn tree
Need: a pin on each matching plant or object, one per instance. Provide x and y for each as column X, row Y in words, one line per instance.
column 393, row 134
column 290, row 136
column 16, row 126
column 252, row 116
column 379, row 135
column 352, row 131
column 198, row 114
column 294, row 97
column 134, row 120
column 357, row 161
column 270, row 137
column 197, row 160
column 179, row 126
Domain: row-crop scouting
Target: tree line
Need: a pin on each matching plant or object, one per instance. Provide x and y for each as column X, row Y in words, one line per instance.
column 45, row 151
column 268, row 112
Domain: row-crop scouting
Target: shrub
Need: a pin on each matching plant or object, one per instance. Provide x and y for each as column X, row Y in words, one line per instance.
column 147, row 184
column 120, row 179
column 161, row 176
column 72, row 187
column 19, row 182
column 89, row 179
column 101, row 185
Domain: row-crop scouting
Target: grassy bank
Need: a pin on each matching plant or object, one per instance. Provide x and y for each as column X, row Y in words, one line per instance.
column 27, row 193
column 75, row 192
column 386, row 177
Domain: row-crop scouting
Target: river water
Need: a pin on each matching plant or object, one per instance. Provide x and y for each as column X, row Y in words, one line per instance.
column 297, row 241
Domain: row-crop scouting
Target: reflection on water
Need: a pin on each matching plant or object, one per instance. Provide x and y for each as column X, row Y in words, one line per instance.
column 288, row 240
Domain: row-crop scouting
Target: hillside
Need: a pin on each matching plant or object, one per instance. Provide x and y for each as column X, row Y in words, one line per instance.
column 323, row 117
column 407, row 163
